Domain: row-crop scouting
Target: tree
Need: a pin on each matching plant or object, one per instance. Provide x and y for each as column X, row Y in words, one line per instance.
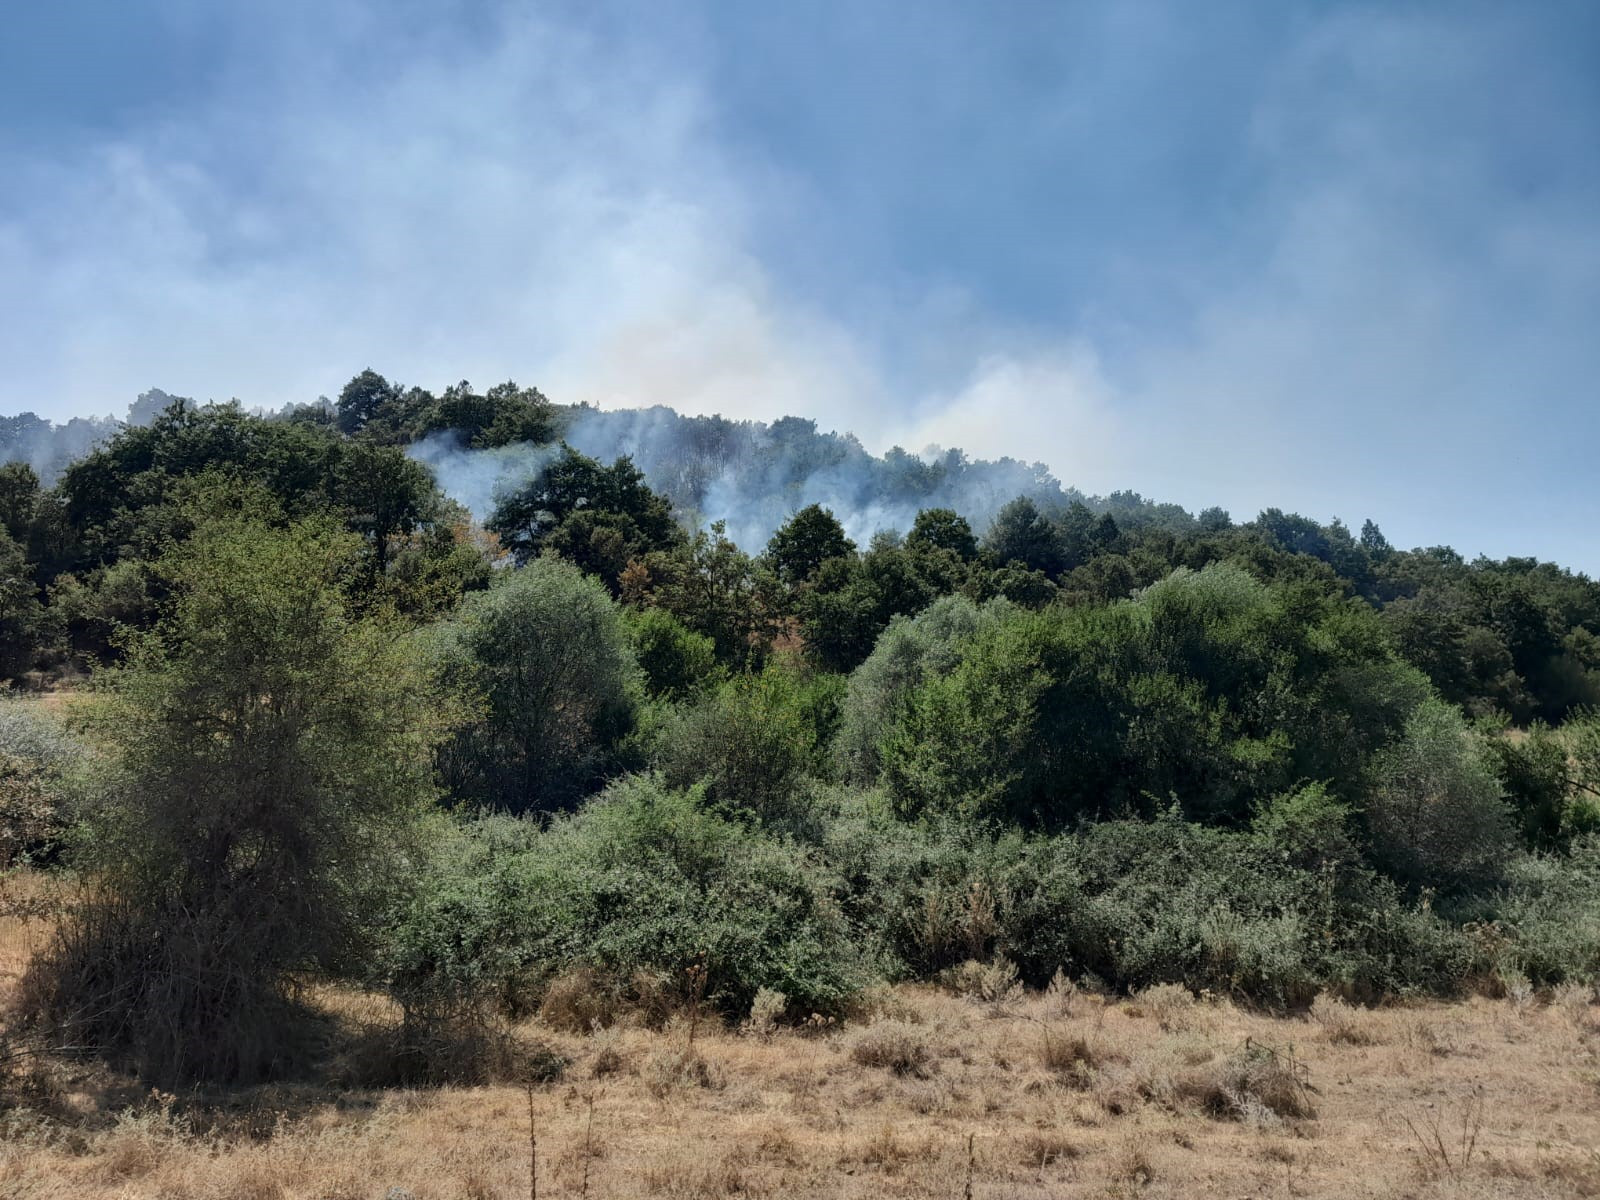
column 942, row 529
column 1437, row 817
column 363, row 399
column 19, row 500
column 576, row 492
column 383, row 493
column 501, row 416
column 1372, row 539
column 270, row 756
column 715, row 589
column 676, row 661
column 804, row 542
column 910, row 650
column 1021, row 533
column 545, row 649
column 750, row 741
column 24, row 623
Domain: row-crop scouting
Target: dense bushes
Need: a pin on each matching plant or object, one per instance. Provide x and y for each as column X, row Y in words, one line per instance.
column 1210, row 687
column 1139, row 750
column 642, row 885
column 1138, row 903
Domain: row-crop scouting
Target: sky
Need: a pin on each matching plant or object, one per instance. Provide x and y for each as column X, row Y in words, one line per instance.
column 1337, row 258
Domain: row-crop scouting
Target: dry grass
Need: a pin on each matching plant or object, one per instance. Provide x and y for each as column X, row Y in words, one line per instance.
column 1158, row 1098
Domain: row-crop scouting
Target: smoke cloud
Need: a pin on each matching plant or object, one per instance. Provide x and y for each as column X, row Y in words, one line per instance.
column 754, row 475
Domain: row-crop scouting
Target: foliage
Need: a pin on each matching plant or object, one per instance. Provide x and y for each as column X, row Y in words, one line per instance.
column 1209, row 686
column 909, row 651
column 546, row 651
column 1549, row 915
column 676, row 661
column 41, row 779
column 600, row 517
column 269, row 754
column 1138, row 903
column 752, row 741
column 1437, row 817
column 804, row 542
column 640, row 885
column 715, row 589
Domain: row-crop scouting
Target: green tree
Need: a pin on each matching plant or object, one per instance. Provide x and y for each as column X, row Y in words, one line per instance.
column 19, row 500
column 804, row 542
column 24, row 623
column 942, row 529
column 1437, row 816
column 363, row 400
column 383, row 494
column 1021, row 533
column 270, row 755
column 676, row 661
column 545, row 649
column 603, row 517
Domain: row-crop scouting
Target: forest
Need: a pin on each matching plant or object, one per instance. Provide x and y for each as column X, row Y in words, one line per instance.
column 568, row 740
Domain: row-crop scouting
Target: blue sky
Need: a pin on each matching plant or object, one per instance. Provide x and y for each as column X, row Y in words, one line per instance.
column 1338, row 258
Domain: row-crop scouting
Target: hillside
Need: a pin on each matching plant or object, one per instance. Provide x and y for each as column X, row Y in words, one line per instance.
column 423, row 758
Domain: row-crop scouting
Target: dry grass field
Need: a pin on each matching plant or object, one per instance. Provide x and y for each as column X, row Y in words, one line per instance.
column 935, row 1094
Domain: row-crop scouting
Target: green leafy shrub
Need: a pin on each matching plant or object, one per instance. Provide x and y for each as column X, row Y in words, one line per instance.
column 753, row 740
column 677, row 662
column 42, row 779
column 641, row 884
column 1436, row 817
column 269, row 754
column 1549, row 914
column 1137, row 904
column 545, row 649
column 1209, row 686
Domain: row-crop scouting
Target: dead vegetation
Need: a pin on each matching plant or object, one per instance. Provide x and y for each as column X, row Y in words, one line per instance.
column 929, row 1094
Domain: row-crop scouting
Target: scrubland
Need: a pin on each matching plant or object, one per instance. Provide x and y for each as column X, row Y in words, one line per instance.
column 926, row 1092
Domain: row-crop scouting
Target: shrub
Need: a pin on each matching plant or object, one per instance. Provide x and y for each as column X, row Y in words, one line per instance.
column 1549, row 914
column 766, row 1010
column 1341, row 1022
column 907, row 652
column 1309, row 827
column 270, row 757
column 1436, row 816
column 42, row 770
column 1255, row 1083
column 892, row 1046
column 993, row 983
column 676, row 661
column 1052, row 717
column 638, row 886
column 1136, row 904
column 753, row 741
column 545, row 650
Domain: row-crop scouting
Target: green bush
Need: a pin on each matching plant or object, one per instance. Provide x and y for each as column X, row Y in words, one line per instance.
column 1549, row 911
column 1209, row 686
column 677, row 662
column 1436, row 817
column 545, row 650
column 753, row 741
column 908, row 651
column 42, row 776
column 1135, row 904
column 642, row 883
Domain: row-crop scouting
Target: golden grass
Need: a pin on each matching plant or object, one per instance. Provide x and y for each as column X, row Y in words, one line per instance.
column 1147, row 1097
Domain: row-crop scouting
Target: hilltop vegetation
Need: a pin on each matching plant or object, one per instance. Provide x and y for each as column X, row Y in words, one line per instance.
column 590, row 754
